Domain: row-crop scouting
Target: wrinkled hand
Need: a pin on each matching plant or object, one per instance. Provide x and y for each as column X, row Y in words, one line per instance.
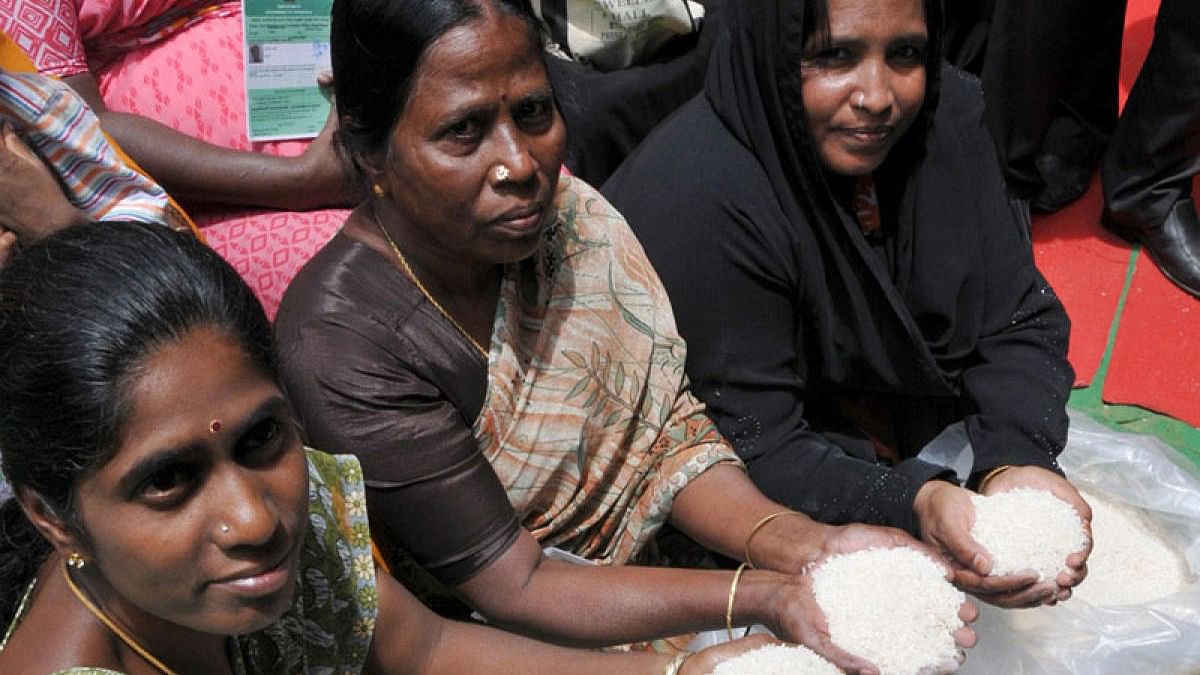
column 801, row 620
column 32, row 205
column 705, row 661
column 1037, row 478
column 326, row 181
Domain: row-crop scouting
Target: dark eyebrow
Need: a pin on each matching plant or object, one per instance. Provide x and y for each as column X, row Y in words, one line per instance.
column 194, row 449
column 158, row 461
column 543, row 94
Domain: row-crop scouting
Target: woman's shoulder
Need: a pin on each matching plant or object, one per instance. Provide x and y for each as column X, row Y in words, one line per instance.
column 691, row 174
column 687, row 154
column 960, row 103
column 345, row 289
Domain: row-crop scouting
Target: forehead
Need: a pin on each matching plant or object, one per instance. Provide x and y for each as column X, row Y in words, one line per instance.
column 181, row 387
column 850, row 18
column 491, row 57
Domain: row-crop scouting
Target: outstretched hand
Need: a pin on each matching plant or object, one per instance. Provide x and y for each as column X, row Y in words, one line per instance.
column 1037, row 478
column 32, row 204
column 946, row 514
column 800, row 619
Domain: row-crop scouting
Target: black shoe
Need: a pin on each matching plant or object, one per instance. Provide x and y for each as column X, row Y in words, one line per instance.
column 1065, row 182
column 1174, row 246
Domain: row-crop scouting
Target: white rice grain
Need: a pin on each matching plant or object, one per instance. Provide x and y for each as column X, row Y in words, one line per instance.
column 893, row 607
column 1026, row 529
column 1131, row 563
column 777, row 660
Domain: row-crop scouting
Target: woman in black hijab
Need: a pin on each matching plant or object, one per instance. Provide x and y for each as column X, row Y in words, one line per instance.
column 863, row 315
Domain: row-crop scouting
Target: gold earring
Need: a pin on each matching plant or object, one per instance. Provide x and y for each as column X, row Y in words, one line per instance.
column 75, row 560
column 378, row 190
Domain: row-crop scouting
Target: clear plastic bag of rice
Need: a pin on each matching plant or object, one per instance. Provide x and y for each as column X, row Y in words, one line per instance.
column 777, row 660
column 1026, row 529
column 893, row 607
column 1138, row 610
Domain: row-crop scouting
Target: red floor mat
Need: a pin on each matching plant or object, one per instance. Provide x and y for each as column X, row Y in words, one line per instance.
column 1156, row 360
column 1086, row 266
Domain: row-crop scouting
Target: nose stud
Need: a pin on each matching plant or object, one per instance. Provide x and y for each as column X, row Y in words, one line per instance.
column 224, row 529
column 860, row 100
column 502, row 172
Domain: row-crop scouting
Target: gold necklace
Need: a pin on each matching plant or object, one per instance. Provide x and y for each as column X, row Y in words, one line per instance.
column 120, row 632
column 408, row 271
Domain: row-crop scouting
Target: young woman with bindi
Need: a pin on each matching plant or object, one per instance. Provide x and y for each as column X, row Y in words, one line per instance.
column 863, row 314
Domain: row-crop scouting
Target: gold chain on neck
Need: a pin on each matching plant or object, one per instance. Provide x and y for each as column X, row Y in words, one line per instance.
column 112, row 625
column 408, row 271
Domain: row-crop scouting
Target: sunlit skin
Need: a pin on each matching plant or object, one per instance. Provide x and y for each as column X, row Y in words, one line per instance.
column 864, row 88
column 480, row 100
column 192, row 535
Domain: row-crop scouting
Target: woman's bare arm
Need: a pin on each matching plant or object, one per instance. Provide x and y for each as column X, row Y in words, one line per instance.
column 411, row 639
column 195, row 171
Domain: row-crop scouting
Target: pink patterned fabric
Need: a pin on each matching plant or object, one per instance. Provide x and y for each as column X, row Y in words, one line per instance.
column 268, row 248
column 187, row 73
column 48, row 31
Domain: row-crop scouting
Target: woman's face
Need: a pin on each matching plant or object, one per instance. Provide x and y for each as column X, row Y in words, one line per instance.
column 480, row 101
column 199, row 517
column 863, row 90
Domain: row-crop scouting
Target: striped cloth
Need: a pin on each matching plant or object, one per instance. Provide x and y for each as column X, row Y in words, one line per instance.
column 62, row 130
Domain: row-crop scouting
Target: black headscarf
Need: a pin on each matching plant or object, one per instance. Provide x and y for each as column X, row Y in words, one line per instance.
column 907, row 326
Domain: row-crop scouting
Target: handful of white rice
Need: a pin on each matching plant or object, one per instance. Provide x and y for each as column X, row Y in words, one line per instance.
column 777, row 660
column 1026, row 529
column 893, row 607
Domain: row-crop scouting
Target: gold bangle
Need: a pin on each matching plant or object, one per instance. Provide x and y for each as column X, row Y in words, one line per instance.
column 676, row 663
column 733, row 592
column 992, row 474
column 758, row 526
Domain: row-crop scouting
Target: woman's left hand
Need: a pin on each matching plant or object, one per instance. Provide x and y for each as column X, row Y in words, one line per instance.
column 1037, row 478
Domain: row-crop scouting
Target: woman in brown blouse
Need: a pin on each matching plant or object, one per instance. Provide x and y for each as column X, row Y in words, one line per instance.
column 492, row 343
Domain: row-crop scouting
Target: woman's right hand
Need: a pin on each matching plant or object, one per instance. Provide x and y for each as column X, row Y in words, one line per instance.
column 705, row 661
column 799, row 618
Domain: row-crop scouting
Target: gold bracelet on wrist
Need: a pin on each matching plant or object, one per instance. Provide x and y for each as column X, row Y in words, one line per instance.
column 992, row 474
column 733, row 592
column 762, row 522
column 676, row 663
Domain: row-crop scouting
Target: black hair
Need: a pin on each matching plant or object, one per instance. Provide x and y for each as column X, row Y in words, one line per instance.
column 377, row 47
column 80, row 311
